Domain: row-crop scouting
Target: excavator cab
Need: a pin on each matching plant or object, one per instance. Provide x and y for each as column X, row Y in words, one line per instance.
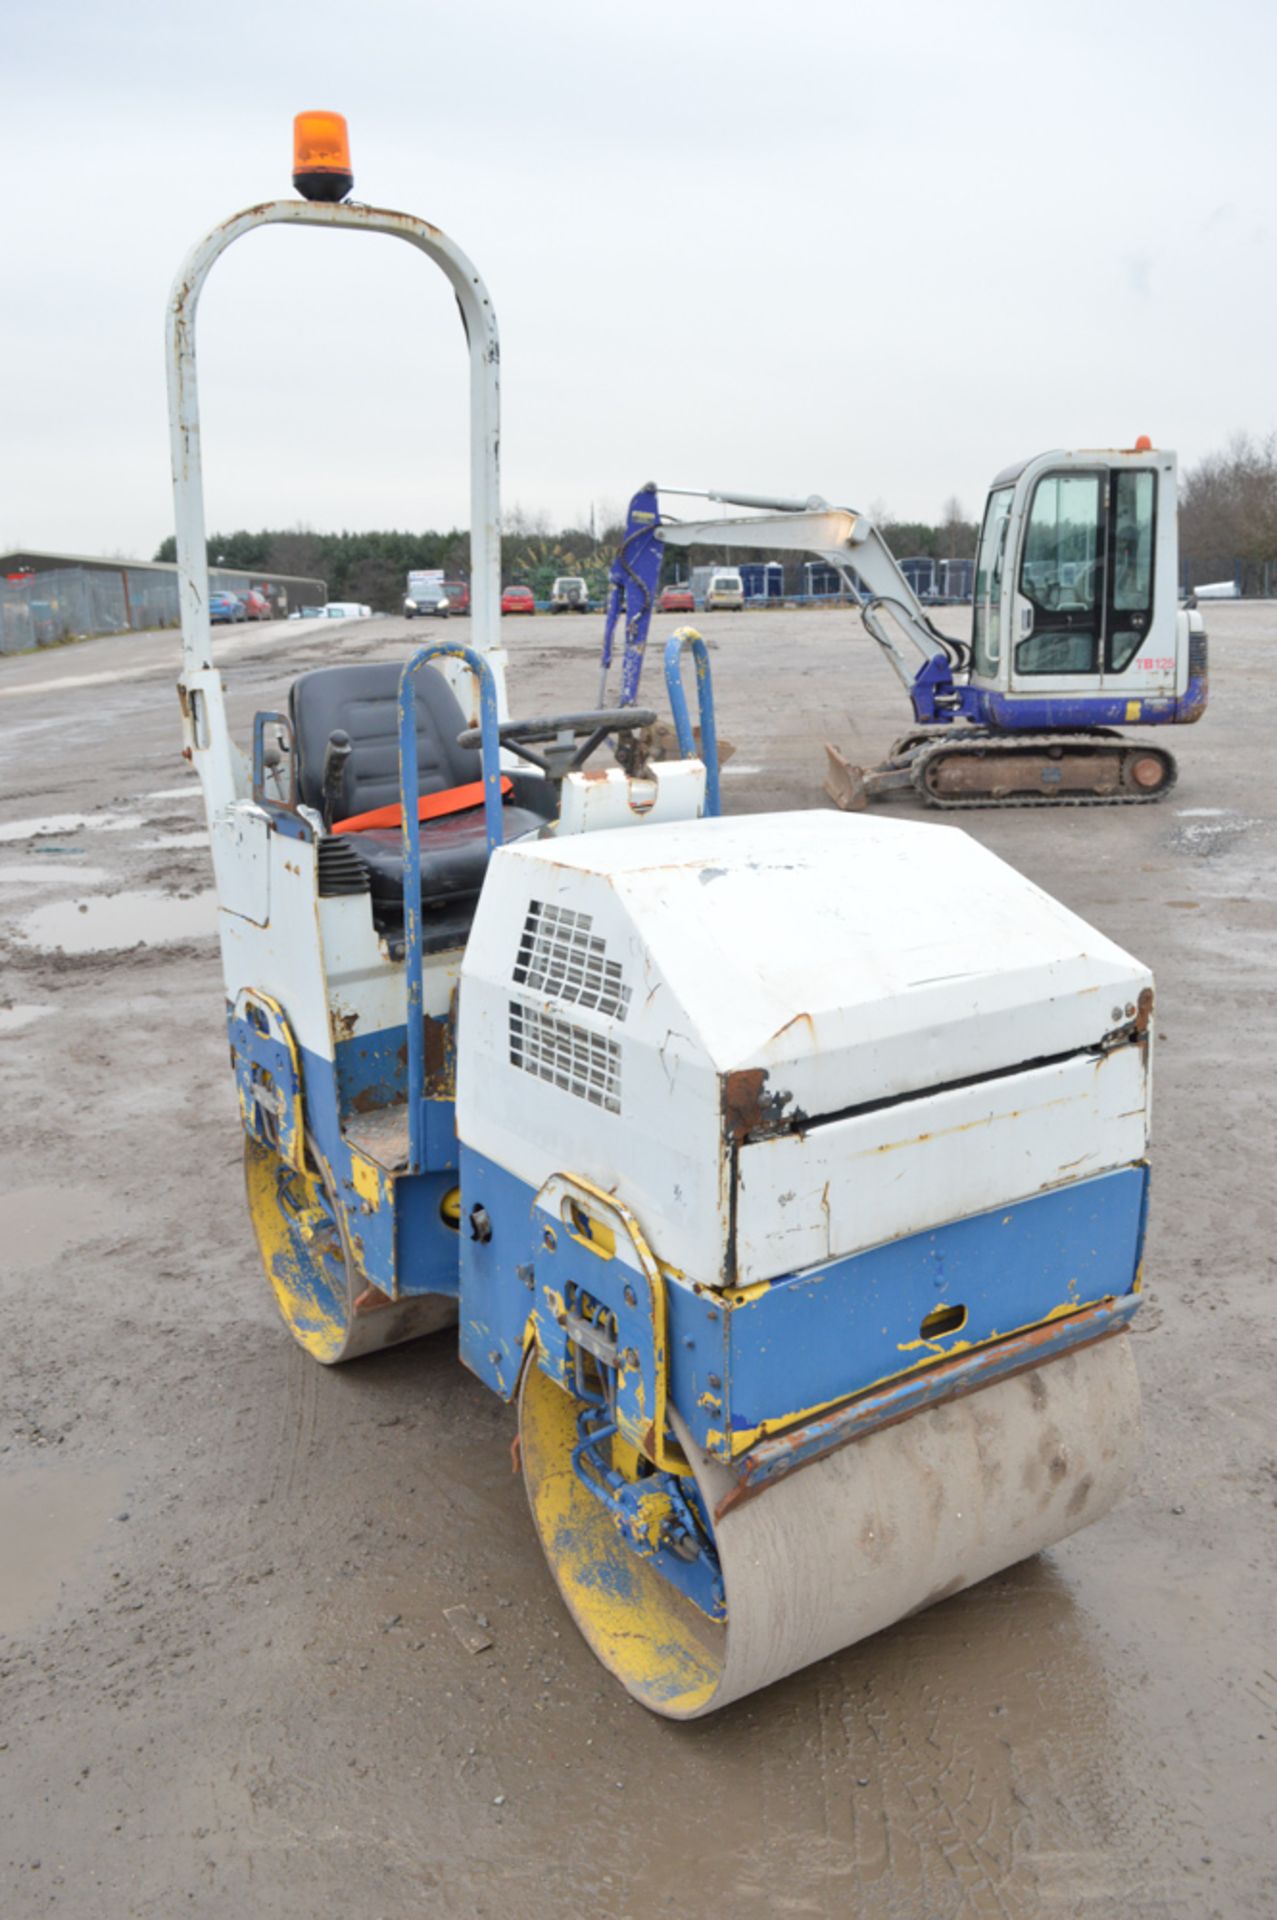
column 1075, row 597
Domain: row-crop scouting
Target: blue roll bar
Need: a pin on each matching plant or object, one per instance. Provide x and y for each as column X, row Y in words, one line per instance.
column 674, row 648
column 409, row 793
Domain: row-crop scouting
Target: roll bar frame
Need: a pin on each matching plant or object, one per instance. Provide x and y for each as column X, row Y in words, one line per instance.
column 222, row 767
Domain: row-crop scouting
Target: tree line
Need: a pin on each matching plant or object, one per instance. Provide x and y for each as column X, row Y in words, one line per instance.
column 1228, row 515
column 372, row 567
column 1228, row 525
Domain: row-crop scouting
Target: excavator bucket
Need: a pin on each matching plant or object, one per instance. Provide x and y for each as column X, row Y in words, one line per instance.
column 844, row 783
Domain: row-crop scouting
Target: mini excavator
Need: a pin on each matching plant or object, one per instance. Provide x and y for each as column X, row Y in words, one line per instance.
column 1076, row 631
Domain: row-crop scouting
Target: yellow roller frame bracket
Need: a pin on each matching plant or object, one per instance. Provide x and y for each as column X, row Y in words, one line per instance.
column 579, row 1215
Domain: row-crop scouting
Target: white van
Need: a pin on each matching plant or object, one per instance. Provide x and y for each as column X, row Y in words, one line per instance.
column 725, row 589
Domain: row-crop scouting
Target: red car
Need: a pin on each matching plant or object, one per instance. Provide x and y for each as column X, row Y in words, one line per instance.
column 257, row 606
column 458, row 593
column 676, row 600
column 518, row 600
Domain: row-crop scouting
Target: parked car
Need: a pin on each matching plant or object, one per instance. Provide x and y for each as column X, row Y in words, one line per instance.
column 427, row 595
column 257, row 606
column 570, row 595
column 225, row 608
column 518, row 600
column 347, row 610
column 458, row 592
column 726, row 589
column 676, row 600
column 307, row 613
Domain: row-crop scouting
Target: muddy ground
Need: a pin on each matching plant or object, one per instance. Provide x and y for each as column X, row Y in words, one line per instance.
column 227, row 1684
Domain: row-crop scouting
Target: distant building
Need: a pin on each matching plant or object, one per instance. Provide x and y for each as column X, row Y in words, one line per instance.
column 47, row 597
column 919, row 569
column 956, row 579
column 823, row 582
column 763, row 579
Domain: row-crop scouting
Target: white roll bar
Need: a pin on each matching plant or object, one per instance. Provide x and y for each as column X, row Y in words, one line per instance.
column 223, row 770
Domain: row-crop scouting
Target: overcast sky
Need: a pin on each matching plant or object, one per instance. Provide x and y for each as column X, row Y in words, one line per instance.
column 871, row 251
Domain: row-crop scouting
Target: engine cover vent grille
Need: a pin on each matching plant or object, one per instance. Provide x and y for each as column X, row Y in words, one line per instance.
column 562, row 957
column 580, row 1062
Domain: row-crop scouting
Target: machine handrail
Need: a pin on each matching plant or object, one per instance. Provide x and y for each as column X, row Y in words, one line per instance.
column 674, row 649
column 409, row 792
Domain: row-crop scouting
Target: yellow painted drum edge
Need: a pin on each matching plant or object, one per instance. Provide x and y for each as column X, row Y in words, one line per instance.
column 661, row 1647
column 847, row 1545
column 307, row 1264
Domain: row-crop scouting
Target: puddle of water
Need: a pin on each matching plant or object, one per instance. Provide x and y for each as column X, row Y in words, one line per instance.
column 64, row 876
column 121, row 920
column 51, row 1520
column 165, row 840
column 14, row 1019
column 53, row 823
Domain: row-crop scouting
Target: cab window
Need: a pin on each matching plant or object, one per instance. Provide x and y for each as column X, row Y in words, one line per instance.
column 987, row 595
column 1062, row 575
column 1134, row 509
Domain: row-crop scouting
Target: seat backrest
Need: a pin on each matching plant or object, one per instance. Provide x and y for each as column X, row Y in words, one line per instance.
column 362, row 700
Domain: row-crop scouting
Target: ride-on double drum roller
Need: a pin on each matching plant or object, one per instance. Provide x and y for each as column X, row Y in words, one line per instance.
column 854, row 1227
column 788, row 1171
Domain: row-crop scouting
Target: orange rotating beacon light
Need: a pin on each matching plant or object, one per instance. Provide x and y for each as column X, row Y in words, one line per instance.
column 321, row 156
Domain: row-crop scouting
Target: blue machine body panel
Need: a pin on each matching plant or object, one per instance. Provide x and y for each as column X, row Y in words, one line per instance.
column 371, row 1069
column 396, row 1229
column 805, row 1342
column 742, row 1364
column 498, row 1279
column 938, row 698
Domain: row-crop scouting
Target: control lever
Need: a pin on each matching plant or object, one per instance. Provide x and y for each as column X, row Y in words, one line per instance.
column 336, row 755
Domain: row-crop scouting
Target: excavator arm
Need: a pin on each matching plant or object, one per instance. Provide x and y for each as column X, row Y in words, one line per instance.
column 632, row 585
column 845, row 540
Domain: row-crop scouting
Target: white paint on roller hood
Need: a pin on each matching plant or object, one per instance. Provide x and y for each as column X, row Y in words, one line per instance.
column 883, row 955
column 850, row 960
column 901, row 1169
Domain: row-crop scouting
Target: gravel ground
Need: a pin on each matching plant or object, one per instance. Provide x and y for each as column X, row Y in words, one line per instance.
column 228, row 1688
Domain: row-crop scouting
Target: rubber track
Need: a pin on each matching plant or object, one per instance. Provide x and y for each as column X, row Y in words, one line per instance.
column 910, row 743
column 999, row 743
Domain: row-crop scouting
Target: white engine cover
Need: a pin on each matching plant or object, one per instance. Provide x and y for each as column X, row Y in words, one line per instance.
column 634, row 1003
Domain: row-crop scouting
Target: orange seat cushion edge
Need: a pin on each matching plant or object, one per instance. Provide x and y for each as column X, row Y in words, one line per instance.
column 431, row 806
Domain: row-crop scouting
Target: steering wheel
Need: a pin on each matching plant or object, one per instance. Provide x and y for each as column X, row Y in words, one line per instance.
column 571, row 737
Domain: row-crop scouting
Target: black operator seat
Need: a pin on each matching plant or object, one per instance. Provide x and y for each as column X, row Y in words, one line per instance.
column 362, row 701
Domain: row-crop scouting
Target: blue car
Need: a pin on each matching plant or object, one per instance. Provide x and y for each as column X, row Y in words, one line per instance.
column 224, row 607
